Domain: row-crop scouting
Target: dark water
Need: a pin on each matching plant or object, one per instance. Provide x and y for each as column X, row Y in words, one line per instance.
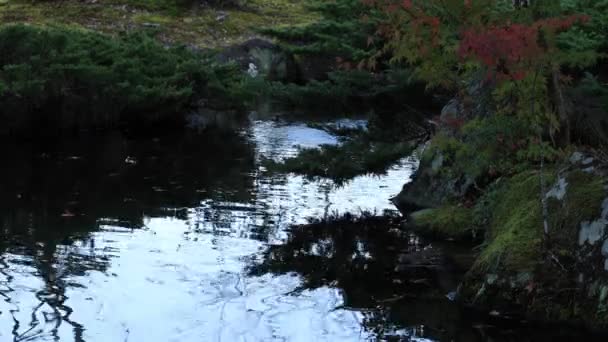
column 187, row 238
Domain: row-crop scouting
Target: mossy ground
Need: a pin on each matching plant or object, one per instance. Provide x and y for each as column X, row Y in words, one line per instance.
column 198, row 26
column 448, row 221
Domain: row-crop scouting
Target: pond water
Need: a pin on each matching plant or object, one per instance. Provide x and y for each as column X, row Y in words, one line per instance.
column 188, row 238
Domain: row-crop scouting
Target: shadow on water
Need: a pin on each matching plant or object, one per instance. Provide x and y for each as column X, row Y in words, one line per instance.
column 403, row 284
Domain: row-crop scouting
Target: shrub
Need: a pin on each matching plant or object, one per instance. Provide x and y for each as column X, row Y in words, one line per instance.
column 75, row 78
column 490, row 147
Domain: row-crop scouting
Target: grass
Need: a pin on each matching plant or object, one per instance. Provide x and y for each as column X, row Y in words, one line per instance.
column 197, row 26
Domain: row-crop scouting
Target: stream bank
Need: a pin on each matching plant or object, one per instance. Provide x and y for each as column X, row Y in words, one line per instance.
column 465, row 191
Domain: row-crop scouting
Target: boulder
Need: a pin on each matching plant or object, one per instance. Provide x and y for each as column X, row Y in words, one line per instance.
column 267, row 58
column 559, row 276
column 431, row 188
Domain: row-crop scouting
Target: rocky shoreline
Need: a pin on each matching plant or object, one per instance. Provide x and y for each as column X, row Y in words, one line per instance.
column 560, row 274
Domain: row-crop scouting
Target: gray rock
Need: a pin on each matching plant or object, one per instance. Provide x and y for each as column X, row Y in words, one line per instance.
column 605, row 248
column 428, row 189
column 451, row 109
column 590, row 169
column 576, row 157
column 559, row 189
column 591, row 232
column 270, row 60
column 437, row 163
column 451, row 296
column 587, row 161
column 491, row 278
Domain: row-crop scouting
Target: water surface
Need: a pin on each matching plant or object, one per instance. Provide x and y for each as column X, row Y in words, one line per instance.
column 188, row 238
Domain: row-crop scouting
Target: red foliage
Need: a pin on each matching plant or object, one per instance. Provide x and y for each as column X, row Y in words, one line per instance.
column 508, row 50
column 511, row 49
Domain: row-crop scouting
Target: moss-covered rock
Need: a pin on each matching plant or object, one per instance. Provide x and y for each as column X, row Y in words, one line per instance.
column 434, row 183
column 515, row 229
column 451, row 221
column 558, row 276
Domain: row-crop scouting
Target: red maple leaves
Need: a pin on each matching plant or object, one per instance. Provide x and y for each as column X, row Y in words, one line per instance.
column 510, row 50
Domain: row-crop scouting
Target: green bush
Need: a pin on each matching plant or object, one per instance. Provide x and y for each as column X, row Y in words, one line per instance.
column 487, row 148
column 76, row 78
column 350, row 90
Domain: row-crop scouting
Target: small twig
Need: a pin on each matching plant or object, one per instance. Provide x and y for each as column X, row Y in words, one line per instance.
column 556, row 260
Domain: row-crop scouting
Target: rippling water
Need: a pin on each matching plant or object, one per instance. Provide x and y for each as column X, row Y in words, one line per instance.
column 114, row 238
column 117, row 239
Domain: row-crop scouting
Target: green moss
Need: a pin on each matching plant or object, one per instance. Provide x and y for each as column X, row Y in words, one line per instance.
column 448, row 221
column 584, row 196
column 516, row 228
column 582, row 202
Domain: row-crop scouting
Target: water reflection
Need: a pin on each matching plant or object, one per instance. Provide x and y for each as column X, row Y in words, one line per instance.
column 378, row 268
column 113, row 238
column 186, row 238
column 54, row 197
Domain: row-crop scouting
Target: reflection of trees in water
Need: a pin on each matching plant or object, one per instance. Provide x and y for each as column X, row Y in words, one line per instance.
column 357, row 254
column 375, row 264
column 52, row 197
column 396, row 280
column 54, row 263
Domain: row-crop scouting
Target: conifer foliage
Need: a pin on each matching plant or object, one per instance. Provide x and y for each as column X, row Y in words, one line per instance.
column 344, row 29
column 82, row 78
